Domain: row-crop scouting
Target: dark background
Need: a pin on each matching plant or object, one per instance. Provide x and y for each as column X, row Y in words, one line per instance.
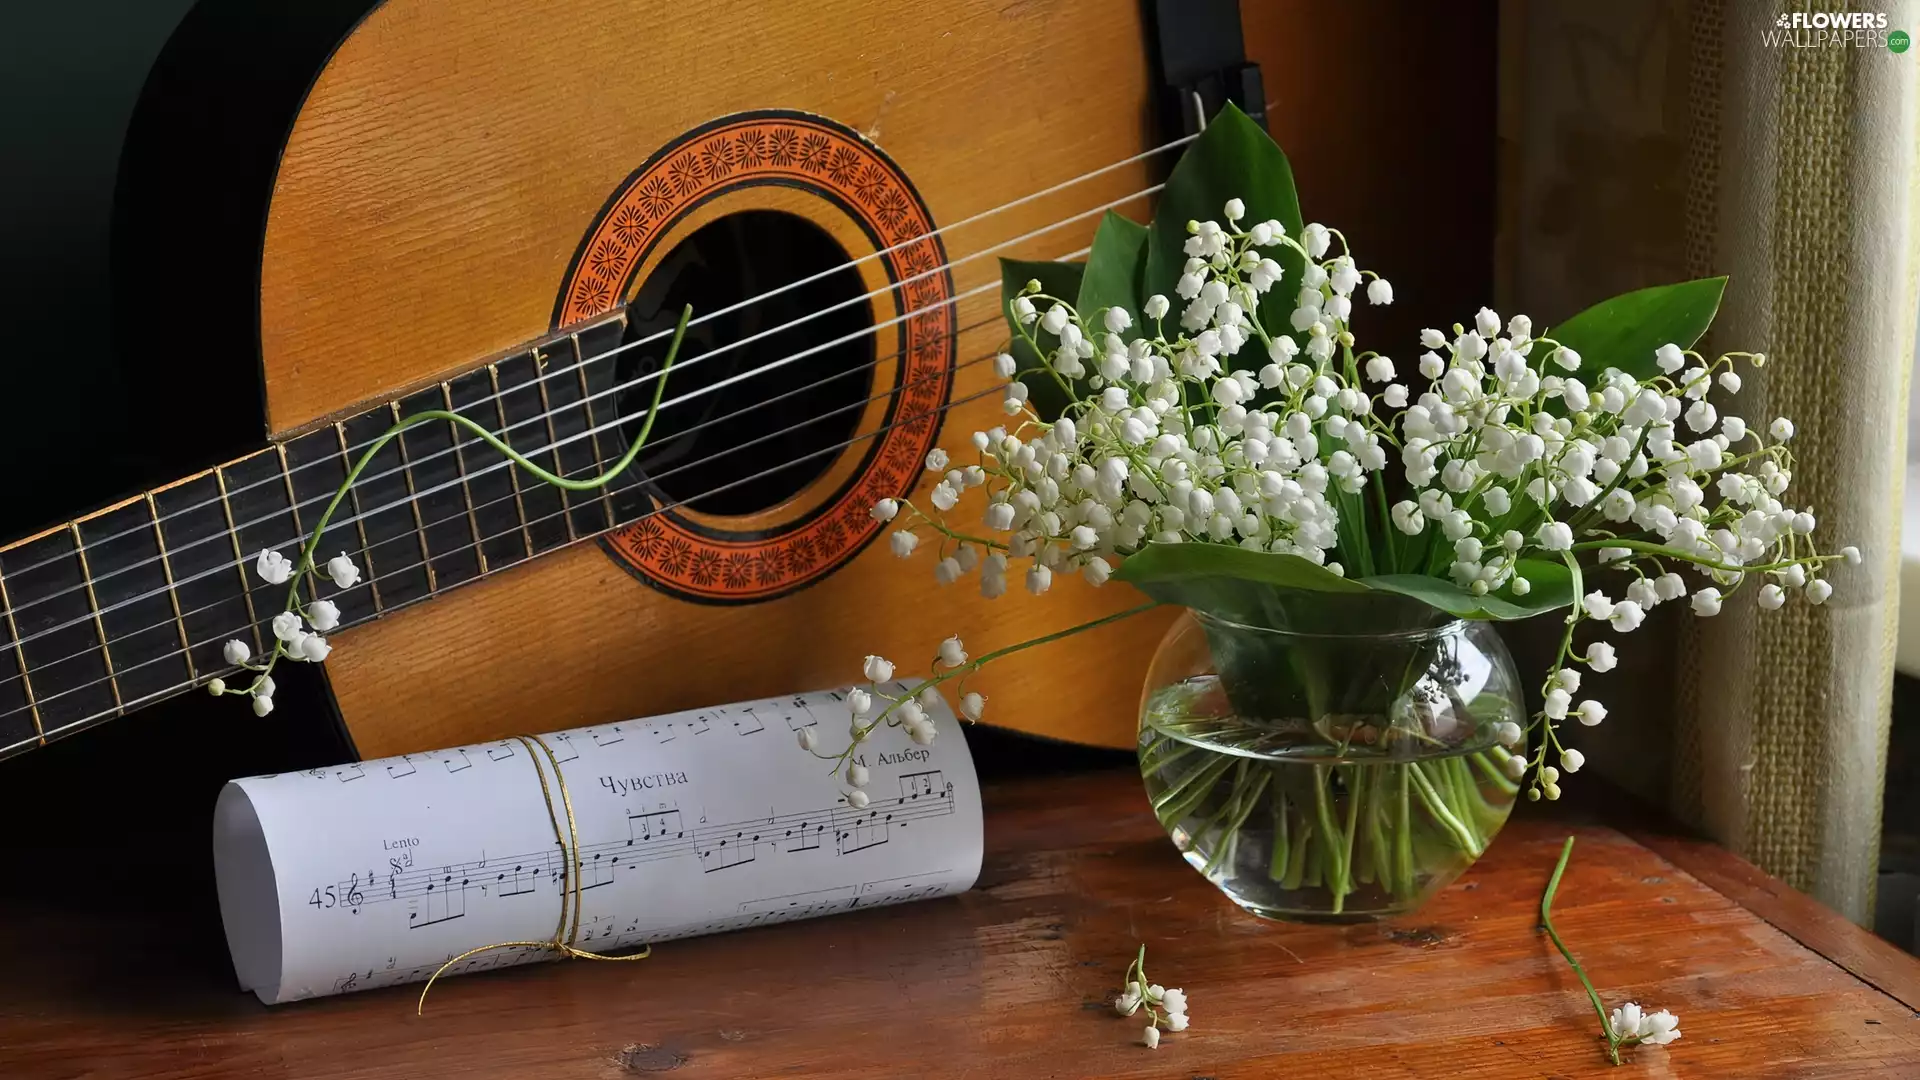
column 1378, row 145
column 70, row 73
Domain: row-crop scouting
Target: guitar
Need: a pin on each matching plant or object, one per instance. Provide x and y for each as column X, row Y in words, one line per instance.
column 333, row 218
column 340, row 213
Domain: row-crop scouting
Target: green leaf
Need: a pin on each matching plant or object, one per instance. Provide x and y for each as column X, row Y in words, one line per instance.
column 1196, row 561
column 1058, row 279
column 1551, row 588
column 1233, row 159
column 1112, row 277
column 1258, row 588
column 1624, row 332
column 1268, row 589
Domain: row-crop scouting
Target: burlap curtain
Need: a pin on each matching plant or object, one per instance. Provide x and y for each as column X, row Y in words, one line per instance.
column 1653, row 140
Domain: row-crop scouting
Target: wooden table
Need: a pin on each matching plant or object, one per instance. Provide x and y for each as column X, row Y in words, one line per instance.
column 1012, row 980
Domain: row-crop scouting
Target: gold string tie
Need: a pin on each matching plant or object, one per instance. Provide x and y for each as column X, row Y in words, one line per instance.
column 568, row 929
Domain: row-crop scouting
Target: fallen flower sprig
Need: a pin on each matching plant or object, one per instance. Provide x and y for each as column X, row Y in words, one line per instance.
column 1628, row 1025
column 1166, row 1005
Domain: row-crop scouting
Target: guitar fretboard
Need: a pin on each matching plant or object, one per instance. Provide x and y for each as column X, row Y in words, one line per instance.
column 134, row 602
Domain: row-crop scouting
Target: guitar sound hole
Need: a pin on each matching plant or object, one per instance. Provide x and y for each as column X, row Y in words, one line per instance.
column 721, row 451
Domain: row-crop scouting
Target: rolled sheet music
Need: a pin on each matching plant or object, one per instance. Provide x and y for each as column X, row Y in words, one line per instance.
column 377, row 873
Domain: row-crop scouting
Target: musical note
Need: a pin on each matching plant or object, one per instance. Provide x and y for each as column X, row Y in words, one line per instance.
column 442, row 900
column 858, row 830
column 456, row 761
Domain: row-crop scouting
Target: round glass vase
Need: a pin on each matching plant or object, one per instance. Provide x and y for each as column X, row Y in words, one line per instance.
column 1328, row 777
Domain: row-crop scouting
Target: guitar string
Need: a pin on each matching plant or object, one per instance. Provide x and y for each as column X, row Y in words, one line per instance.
column 412, row 497
column 415, row 534
column 422, row 564
column 126, row 705
column 406, row 500
column 759, row 298
column 285, row 476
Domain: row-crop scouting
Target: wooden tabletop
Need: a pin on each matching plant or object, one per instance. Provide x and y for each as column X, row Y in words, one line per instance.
column 1012, row 979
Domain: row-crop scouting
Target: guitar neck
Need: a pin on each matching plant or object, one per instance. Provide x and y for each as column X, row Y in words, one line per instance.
column 134, row 602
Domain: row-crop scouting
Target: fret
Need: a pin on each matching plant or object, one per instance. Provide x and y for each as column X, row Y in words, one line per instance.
column 492, row 494
column 627, row 497
column 586, row 515
column 395, row 557
column 413, row 501
column 440, row 502
column 208, row 571
column 466, row 484
column 263, row 518
column 522, row 404
column 135, row 612
column 240, row 564
column 173, row 592
column 293, row 509
column 58, row 632
column 19, row 714
column 99, row 625
column 352, row 506
column 611, row 435
column 315, row 467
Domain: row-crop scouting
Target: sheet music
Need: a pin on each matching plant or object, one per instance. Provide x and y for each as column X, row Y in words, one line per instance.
column 376, row 873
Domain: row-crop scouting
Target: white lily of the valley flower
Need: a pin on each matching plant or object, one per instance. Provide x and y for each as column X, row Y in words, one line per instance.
column 857, row 799
column 972, row 705
column 262, row 706
column 323, row 614
column 315, row 648
column 342, row 571
column 884, row 510
column 877, row 669
column 236, row 651
column 286, row 627
column 859, row 702
column 273, row 567
column 952, row 652
column 809, row 739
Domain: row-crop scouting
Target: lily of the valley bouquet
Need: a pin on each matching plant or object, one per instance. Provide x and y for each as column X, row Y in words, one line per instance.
column 1335, row 731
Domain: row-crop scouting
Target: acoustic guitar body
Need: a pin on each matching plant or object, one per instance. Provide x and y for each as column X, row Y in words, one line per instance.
column 473, row 201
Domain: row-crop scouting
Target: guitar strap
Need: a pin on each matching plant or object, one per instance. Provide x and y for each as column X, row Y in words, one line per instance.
column 1196, row 48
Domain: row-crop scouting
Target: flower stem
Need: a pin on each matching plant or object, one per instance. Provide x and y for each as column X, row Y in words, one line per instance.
column 304, row 566
column 975, row 664
column 1546, row 923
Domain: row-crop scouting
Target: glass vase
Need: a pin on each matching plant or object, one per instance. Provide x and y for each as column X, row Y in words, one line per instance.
column 1329, row 777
